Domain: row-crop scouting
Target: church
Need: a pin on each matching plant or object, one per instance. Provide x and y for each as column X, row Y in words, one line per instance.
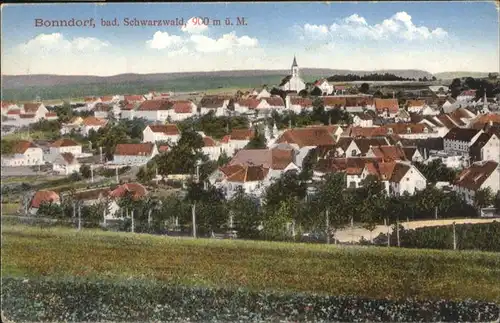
column 293, row 82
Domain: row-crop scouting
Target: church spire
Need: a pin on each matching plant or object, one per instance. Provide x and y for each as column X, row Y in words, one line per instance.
column 294, row 64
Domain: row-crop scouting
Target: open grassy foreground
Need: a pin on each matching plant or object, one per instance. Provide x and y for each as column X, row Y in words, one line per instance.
column 365, row 272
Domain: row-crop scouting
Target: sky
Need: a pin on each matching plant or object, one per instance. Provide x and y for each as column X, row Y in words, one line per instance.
column 431, row 36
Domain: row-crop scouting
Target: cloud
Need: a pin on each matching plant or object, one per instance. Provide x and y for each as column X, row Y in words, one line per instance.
column 226, row 42
column 194, row 26
column 56, row 42
column 399, row 26
column 162, row 40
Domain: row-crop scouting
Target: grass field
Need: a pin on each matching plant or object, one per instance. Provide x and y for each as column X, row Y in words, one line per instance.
column 335, row 270
column 25, row 135
column 10, row 208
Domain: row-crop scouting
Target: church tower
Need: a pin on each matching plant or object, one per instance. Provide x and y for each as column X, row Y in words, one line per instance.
column 295, row 68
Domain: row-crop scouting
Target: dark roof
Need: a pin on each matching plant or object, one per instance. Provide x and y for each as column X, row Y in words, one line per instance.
column 364, row 144
column 473, row 177
column 409, row 152
column 399, row 172
column 285, row 80
column 429, row 143
column 475, row 149
column 461, row 134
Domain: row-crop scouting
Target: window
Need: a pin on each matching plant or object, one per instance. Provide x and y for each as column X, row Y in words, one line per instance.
column 390, row 131
column 352, row 184
column 353, row 152
column 408, row 130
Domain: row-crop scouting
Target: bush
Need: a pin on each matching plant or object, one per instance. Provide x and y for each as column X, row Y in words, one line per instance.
column 140, row 301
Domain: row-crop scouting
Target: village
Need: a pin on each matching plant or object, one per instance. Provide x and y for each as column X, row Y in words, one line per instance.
column 248, row 141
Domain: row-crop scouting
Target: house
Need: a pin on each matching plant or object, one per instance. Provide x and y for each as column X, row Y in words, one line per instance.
column 127, row 111
column 293, row 82
column 484, row 120
column 37, row 109
column 352, row 167
column 354, row 147
column 334, row 102
column 413, row 154
column 402, row 116
column 479, row 175
column 278, row 160
column 264, row 93
column 182, row 110
column 24, row 153
column 466, row 96
column 398, row 177
column 298, row 104
column 387, row 153
column 325, row 87
column 211, row 148
column 90, row 103
column 388, row 108
column 133, row 99
column 161, row 132
column 252, row 179
column 217, row 104
column 92, row 123
column 486, row 147
column 7, row 106
column 51, row 116
column 65, row 145
column 153, row 110
column 136, row 192
column 305, row 139
column 359, row 104
column 237, row 139
column 362, row 120
column 103, row 110
column 242, row 106
column 134, row 154
column 65, row 164
column 459, row 140
column 74, row 124
column 416, row 106
column 274, row 103
column 42, row 197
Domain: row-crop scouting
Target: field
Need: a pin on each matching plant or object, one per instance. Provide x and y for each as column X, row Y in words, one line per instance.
column 25, row 135
column 335, row 270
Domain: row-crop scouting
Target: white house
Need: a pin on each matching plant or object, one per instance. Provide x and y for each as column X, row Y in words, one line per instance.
column 486, row 147
column 466, row 96
column 134, row 154
column 135, row 190
column 399, row 177
column 274, row 103
column 362, row 120
column 211, row 148
column 65, row 164
column 480, row 175
column 297, row 104
column 153, row 110
column 237, row 139
column 293, row 82
column 42, row 197
column 248, row 105
column 325, row 87
column 387, row 108
column 24, row 153
column 65, row 145
column 183, row 110
column 217, row 104
column 459, row 140
column 92, row 123
column 252, row 179
column 264, row 93
column 161, row 132
column 416, row 106
column 37, row 109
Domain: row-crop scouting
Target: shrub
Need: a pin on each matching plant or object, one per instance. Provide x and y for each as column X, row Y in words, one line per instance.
column 141, row 301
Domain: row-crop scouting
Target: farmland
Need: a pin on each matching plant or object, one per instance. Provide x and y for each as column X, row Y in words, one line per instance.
column 257, row 266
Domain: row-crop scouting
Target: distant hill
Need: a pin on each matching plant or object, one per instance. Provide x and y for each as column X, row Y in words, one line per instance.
column 28, row 87
column 453, row 75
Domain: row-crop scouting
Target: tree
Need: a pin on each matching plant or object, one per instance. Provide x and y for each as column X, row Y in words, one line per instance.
column 85, row 171
column 145, row 174
column 246, row 214
column 223, row 159
column 257, row 142
column 7, row 146
column 496, row 202
column 275, row 223
column 316, row 91
column 64, row 112
column 483, row 198
column 50, row 210
column 365, row 87
column 303, row 93
column 288, row 186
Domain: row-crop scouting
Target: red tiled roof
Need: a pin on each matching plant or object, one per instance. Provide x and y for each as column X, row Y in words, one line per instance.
column 107, row 98
column 332, row 101
column 307, row 137
column 473, row 177
column 183, row 107
column 137, row 190
column 142, row 149
column 268, row 158
column 209, row 142
column 154, row 105
column 163, row 148
column 168, row 129
column 243, row 174
column 275, row 101
column 90, row 99
column 14, row 111
column 481, row 121
column 69, row 158
column 250, row 103
column 31, row 107
column 415, row 103
column 93, row 121
column 50, row 114
column 21, row 146
column 303, row 102
column 44, row 197
column 64, row 142
column 27, row 115
column 239, row 134
column 382, row 105
column 389, row 153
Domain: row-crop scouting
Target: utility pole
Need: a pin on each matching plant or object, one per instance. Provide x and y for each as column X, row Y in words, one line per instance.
column 436, row 212
column 454, row 237
column 149, row 218
column 397, row 232
column 74, row 210
column 91, row 173
column 100, row 152
column 104, row 217
column 133, row 224
column 327, row 224
column 388, row 233
column 79, row 217
column 352, row 229
column 193, row 213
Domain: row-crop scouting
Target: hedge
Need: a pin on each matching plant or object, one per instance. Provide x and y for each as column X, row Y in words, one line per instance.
column 478, row 236
column 141, row 301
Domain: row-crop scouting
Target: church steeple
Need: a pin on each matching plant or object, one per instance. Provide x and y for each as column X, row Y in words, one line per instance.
column 295, row 67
